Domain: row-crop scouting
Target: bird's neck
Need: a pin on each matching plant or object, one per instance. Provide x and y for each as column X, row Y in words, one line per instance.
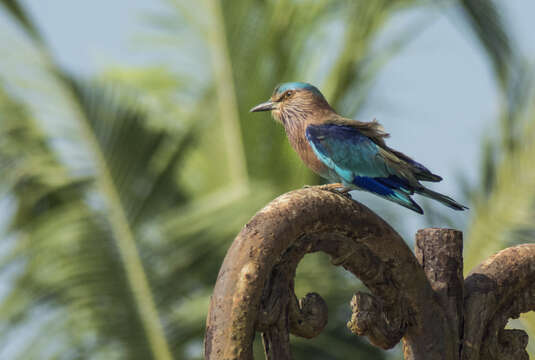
column 304, row 116
column 295, row 122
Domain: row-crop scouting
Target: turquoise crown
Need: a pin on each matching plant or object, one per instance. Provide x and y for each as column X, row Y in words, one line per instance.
column 297, row 86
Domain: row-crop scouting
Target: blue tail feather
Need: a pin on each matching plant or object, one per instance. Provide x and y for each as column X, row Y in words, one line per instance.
column 390, row 189
column 395, row 182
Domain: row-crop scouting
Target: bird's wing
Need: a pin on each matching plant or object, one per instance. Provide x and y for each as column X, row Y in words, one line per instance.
column 377, row 134
column 372, row 129
column 420, row 171
column 347, row 151
column 358, row 160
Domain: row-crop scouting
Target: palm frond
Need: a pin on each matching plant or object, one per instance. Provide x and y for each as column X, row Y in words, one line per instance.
column 509, row 206
column 59, row 218
column 504, row 199
column 484, row 17
column 226, row 94
column 18, row 13
column 120, row 226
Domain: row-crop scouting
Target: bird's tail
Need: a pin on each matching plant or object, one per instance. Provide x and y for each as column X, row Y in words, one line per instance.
column 446, row 200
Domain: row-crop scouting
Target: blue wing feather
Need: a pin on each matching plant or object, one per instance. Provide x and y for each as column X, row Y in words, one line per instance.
column 355, row 158
column 345, row 150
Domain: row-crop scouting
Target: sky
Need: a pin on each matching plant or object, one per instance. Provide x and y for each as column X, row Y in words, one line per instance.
column 437, row 98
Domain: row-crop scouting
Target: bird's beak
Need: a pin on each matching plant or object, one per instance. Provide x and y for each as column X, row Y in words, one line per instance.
column 265, row 106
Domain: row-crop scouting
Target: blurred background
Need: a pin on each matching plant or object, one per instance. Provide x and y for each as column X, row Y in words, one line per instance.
column 129, row 160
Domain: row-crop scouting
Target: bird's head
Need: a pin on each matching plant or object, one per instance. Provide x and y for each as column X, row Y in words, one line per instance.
column 293, row 101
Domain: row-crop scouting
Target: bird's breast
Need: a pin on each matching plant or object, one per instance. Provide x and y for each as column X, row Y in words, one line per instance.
column 297, row 137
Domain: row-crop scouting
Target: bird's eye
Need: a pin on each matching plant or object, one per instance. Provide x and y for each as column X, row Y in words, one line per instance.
column 288, row 94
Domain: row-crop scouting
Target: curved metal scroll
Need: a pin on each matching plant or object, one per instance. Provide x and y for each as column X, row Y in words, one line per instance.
column 254, row 289
column 421, row 299
column 500, row 288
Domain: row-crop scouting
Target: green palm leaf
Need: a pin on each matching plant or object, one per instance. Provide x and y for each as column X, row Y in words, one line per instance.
column 75, row 240
column 108, row 182
column 509, row 206
column 484, row 17
column 18, row 13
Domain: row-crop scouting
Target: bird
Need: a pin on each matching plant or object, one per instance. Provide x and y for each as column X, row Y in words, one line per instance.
column 347, row 151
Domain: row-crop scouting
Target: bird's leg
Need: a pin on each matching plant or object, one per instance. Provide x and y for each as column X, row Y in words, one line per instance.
column 334, row 186
column 337, row 188
column 331, row 187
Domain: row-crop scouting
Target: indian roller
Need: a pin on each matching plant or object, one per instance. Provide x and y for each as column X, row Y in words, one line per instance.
column 347, row 151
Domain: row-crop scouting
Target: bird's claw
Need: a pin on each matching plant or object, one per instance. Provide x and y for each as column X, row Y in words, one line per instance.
column 337, row 188
column 345, row 192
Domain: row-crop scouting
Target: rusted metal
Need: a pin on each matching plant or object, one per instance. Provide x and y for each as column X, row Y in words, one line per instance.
column 420, row 299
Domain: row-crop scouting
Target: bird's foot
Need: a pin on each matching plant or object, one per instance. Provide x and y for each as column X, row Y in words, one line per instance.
column 331, row 187
column 337, row 188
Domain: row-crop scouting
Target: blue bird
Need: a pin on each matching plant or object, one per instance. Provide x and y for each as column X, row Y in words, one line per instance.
column 347, row 151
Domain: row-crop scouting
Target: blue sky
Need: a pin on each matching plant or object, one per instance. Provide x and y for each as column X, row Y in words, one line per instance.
column 437, row 98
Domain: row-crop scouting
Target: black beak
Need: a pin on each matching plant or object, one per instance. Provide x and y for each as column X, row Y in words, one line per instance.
column 265, row 106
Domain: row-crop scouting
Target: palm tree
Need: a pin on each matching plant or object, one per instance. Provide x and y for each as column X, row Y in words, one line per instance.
column 119, row 224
